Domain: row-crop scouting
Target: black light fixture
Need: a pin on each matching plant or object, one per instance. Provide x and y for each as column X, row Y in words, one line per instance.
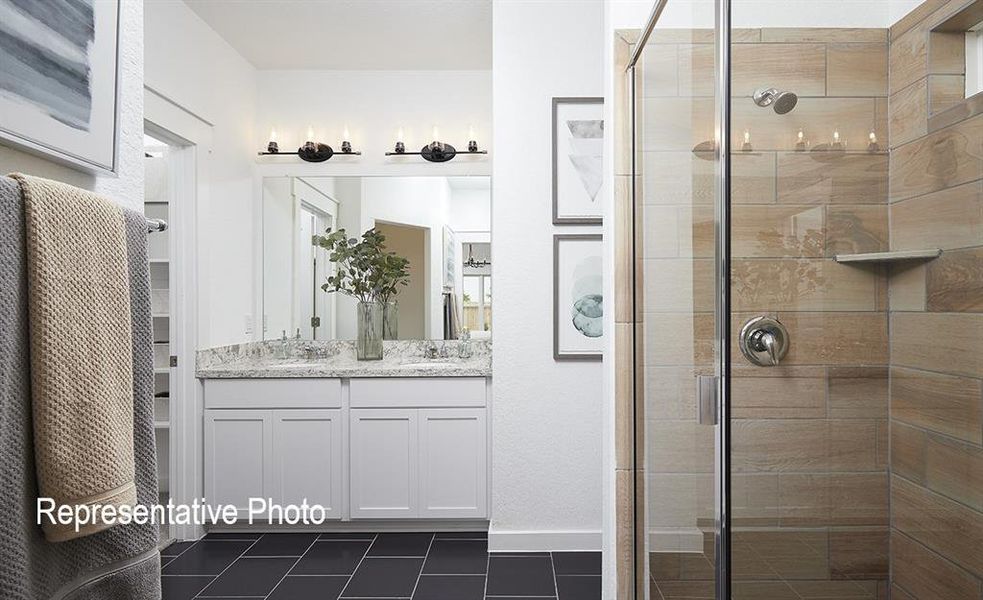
column 435, row 151
column 475, row 264
column 311, row 151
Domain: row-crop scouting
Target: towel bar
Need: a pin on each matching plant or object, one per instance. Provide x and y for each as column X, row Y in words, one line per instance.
column 156, row 225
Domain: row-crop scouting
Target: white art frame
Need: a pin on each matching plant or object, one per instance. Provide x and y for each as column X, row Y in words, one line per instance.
column 578, row 142
column 73, row 118
column 577, row 297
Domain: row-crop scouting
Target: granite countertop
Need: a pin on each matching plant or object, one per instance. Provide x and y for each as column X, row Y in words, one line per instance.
column 299, row 358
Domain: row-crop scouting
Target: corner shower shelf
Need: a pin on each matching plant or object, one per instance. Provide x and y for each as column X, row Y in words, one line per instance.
column 887, row 257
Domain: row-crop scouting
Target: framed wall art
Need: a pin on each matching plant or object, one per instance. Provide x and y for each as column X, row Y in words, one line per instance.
column 59, row 80
column 578, row 142
column 578, row 297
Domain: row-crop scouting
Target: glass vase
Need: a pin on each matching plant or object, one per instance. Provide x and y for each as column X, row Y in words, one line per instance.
column 390, row 320
column 368, row 345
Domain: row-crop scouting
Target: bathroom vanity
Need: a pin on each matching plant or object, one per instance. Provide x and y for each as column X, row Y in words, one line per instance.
column 401, row 438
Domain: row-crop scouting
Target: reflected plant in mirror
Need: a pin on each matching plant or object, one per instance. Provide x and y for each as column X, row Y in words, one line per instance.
column 371, row 275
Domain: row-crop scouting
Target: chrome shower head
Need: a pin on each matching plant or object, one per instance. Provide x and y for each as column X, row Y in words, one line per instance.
column 781, row 102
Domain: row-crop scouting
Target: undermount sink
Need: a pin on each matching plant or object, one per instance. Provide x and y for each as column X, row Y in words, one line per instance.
column 427, row 365
column 296, row 365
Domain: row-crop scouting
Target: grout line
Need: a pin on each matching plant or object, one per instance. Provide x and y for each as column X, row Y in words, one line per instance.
column 287, row 572
column 556, row 587
column 251, row 544
column 423, row 565
column 487, row 574
column 355, row 570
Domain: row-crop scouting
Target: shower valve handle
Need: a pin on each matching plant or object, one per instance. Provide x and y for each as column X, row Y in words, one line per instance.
column 764, row 341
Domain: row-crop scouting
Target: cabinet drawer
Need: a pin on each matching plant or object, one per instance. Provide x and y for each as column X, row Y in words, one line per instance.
column 412, row 392
column 273, row 393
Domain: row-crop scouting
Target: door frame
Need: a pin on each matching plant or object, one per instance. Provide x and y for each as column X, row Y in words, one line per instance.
column 190, row 138
column 329, row 209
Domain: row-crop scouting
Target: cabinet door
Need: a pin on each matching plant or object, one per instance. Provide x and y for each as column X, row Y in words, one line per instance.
column 307, row 458
column 384, row 452
column 453, row 463
column 238, row 457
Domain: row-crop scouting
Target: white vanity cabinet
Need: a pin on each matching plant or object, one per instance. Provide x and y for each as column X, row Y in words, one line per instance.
column 307, row 458
column 257, row 448
column 419, row 448
column 453, row 470
column 364, row 448
column 384, row 448
column 238, row 457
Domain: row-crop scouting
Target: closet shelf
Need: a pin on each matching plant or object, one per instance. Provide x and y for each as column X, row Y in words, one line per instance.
column 887, row 257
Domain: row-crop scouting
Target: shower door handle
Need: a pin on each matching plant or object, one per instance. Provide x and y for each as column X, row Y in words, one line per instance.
column 706, row 400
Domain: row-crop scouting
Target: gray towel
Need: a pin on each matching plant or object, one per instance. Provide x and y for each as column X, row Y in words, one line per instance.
column 121, row 562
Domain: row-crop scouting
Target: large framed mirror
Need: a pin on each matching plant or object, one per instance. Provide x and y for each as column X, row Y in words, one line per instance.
column 441, row 225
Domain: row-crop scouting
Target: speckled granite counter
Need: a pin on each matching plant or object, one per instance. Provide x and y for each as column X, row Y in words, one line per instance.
column 272, row 359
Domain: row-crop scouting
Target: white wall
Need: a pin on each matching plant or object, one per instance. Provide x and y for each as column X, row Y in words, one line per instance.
column 470, row 210
column 190, row 65
column 374, row 105
column 546, row 464
column 127, row 187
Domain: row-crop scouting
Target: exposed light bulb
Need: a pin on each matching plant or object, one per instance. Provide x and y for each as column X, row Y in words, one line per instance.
column 272, row 134
column 399, row 135
column 800, row 136
column 436, row 137
column 747, row 136
column 310, row 133
column 872, row 137
column 344, row 134
column 470, row 132
column 836, row 136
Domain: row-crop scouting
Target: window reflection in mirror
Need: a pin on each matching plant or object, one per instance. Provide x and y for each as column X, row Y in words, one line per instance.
column 441, row 225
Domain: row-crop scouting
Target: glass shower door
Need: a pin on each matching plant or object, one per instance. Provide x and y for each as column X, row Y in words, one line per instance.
column 678, row 359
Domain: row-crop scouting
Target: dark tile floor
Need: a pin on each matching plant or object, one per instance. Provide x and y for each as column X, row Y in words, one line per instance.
column 368, row 566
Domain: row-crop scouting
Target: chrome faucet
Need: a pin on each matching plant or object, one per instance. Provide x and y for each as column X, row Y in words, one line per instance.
column 430, row 350
column 282, row 350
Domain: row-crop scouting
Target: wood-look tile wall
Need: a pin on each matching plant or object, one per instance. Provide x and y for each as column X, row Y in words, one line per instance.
column 627, row 493
column 936, row 308
column 809, row 455
column 869, row 437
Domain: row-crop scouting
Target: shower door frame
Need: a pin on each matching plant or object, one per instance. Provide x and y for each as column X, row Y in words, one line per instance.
column 722, row 296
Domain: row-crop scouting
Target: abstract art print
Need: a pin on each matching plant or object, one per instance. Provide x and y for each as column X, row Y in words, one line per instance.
column 58, row 79
column 451, row 264
column 578, row 141
column 578, row 298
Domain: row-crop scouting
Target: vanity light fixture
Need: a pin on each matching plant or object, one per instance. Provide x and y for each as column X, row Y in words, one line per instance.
column 311, row 151
column 435, row 151
column 475, row 264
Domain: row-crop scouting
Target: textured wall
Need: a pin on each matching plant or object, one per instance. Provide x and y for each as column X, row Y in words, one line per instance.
column 546, row 463
column 127, row 187
column 199, row 72
column 936, row 200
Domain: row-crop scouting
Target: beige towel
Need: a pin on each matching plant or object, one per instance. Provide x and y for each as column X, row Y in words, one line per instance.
column 81, row 349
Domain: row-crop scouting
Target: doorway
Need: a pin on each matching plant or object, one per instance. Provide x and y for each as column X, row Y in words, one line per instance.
column 411, row 243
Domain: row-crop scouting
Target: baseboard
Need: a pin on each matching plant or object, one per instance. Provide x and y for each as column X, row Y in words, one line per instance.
column 544, row 541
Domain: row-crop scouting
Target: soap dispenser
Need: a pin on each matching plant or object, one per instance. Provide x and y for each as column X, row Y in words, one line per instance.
column 464, row 349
